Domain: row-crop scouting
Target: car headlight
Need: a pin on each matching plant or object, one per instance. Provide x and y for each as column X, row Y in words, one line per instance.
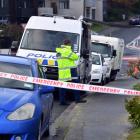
column 23, row 113
column 96, row 71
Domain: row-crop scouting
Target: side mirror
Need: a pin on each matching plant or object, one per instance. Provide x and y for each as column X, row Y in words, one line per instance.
column 46, row 89
column 14, row 48
column 114, row 53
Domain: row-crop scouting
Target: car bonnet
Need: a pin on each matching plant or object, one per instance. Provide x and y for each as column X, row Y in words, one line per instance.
column 11, row 99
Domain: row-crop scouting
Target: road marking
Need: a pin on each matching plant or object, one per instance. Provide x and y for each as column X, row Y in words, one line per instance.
column 134, row 44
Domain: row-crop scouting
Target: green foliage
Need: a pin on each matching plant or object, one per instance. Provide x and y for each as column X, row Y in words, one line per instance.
column 115, row 14
column 98, row 27
column 134, row 135
column 12, row 30
column 133, row 108
column 137, row 86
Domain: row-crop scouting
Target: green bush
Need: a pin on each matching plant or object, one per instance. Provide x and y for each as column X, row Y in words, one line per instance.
column 13, row 31
column 133, row 108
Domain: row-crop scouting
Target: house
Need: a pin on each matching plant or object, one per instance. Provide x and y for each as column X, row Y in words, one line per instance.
column 18, row 10
column 92, row 9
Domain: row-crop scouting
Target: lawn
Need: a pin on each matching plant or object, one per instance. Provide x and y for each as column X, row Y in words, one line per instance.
column 97, row 27
column 134, row 135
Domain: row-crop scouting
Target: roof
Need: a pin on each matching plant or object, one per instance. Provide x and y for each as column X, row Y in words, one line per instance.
column 55, row 24
column 16, row 59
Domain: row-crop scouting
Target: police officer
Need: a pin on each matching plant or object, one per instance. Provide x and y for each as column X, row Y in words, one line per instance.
column 67, row 70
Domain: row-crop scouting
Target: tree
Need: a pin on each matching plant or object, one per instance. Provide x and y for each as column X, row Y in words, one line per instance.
column 126, row 3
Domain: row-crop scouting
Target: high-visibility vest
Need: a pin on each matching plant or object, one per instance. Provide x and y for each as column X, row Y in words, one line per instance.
column 66, row 61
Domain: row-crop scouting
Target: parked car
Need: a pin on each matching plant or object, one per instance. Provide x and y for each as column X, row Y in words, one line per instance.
column 99, row 69
column 135, row 20
column 25, row 108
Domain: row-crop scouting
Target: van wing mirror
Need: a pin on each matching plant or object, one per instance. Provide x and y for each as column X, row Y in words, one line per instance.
column 14, row 48
column 114, row 53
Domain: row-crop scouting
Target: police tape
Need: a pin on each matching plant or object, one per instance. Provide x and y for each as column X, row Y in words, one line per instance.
column 70, row 85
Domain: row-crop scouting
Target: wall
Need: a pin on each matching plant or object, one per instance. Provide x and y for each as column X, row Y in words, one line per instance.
column 77, row 7
column 99, row 10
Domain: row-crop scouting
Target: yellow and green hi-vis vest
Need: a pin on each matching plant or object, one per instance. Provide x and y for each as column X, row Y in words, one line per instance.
column 65, row 62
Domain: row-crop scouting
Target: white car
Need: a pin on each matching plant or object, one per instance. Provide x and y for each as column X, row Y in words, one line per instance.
column 99, row 69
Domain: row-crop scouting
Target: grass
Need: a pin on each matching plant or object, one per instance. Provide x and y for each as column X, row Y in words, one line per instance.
column 98, row 27
column 134, row 135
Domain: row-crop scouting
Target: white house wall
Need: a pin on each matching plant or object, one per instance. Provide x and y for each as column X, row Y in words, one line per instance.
column 48, row 3
column 90, row 3
column 77, row 7
column 99, row 10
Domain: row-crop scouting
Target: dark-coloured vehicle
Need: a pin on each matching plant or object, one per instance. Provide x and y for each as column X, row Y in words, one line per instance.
column 135, row 20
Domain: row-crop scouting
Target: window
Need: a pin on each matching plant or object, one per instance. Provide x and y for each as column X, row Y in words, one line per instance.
column 88, row 12
column 41, row 3
column 25, row 4
column 103, row 49
column 64, row 4
column 3, row 3
column 19, row 69
column 96, row 60
column 44, row 40
column 93, row 13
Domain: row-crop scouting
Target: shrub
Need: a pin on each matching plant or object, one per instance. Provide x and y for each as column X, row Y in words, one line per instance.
column 133, row 108
column 14, row 31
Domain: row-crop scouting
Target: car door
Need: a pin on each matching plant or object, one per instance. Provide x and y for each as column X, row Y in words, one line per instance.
column 104, row 66
column 46, row 99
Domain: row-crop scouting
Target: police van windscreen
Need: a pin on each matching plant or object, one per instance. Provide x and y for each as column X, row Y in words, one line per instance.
column 45, row 40
column 103, row 49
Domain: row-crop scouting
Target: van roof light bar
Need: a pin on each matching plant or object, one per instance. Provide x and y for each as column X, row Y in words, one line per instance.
column 59, row 16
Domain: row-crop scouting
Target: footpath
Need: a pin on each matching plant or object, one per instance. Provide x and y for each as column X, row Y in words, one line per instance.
column 94, row 120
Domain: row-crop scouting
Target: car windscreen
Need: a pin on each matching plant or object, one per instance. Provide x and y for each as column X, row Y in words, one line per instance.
column 18, row 69
column 96, row 59
column 45, row 40
column 103, row 49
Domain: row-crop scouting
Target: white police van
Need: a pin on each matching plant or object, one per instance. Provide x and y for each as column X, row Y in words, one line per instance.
column 42, row 35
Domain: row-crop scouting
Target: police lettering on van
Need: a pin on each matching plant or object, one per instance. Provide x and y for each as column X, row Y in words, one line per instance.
column 39, row 55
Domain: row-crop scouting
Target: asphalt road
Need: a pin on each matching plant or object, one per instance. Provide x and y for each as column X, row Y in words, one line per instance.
column 113, row 104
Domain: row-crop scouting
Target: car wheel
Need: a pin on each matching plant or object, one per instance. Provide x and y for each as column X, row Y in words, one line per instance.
column 39, row 131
